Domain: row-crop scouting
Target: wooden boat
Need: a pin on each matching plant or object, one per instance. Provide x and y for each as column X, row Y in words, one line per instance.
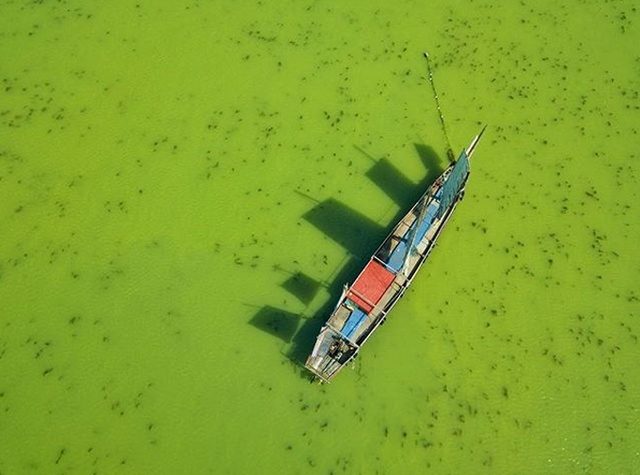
column 365, row 304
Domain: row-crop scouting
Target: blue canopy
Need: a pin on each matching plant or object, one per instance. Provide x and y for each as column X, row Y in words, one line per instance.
column 400, row 253
column 353, row 322
column 453, row 183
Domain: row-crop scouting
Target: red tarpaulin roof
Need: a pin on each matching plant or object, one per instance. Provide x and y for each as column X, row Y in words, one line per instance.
column 371, row 285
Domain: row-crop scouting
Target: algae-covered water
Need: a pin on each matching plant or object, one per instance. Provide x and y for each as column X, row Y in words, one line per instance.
column 185, row 186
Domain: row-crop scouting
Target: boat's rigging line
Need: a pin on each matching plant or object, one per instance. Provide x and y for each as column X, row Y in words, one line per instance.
column 450, row 154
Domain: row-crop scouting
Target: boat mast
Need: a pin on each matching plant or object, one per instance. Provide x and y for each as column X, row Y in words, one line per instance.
column 411, row 238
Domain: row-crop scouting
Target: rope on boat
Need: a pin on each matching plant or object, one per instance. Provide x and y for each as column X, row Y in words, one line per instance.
column 450, row 154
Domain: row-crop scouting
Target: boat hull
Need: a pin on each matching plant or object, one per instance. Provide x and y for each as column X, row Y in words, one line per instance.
column 365, row 304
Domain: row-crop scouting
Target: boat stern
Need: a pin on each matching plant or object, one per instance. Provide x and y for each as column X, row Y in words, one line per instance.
column 330, row 354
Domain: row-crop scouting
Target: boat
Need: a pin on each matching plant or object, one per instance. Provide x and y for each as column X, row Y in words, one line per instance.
column 365, row 304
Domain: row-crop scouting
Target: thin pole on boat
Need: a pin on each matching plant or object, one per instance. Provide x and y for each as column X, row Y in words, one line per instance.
column 450, row 154
column 474, row 142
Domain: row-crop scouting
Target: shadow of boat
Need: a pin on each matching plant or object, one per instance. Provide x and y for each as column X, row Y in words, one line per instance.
column 359, row 235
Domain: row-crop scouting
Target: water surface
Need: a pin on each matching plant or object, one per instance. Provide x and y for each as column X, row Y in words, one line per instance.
column 185, row 187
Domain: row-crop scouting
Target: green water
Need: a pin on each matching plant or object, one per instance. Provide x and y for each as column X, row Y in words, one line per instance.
column 185, row 187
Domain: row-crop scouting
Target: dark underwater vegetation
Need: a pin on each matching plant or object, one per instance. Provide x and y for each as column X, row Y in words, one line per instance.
column 186, row 186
